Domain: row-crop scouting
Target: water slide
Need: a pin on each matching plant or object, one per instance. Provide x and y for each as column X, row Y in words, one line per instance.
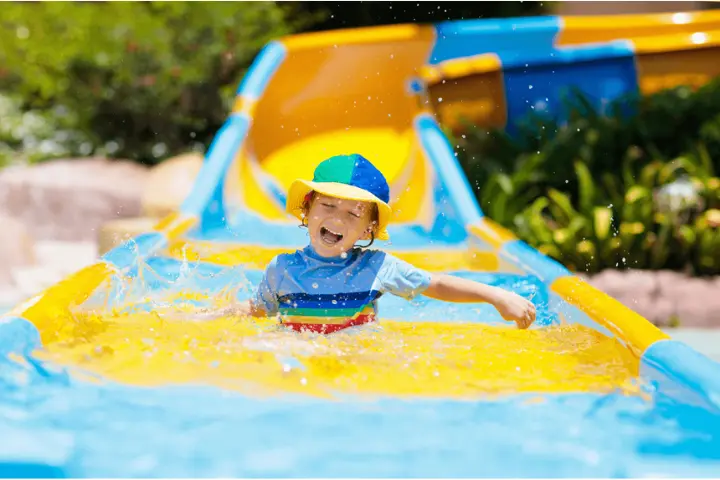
column 103, row 374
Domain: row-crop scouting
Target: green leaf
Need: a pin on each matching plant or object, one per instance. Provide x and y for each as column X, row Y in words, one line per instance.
column 602, row 221
column 561, row 206
column 586, row 188
column 536, row 223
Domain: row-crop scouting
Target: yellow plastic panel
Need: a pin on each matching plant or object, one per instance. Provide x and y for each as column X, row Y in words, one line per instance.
column 337, row 81
column 658, row 70
column 51, row 312
column 633, row 329
column 491, row 233
column 387, row 148
column 477, row 99
column 603, row 28
column 257, row 257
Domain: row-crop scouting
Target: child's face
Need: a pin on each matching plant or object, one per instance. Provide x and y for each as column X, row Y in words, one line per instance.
column 335, row 225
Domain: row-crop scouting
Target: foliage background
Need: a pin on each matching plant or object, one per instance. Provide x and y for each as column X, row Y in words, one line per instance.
column 609, row 191
column 148, row 80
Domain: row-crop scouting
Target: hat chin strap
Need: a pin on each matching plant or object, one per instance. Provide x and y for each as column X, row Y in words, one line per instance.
column 372, row 240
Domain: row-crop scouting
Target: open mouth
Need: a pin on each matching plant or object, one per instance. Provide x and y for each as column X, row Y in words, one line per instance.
column 330, row 237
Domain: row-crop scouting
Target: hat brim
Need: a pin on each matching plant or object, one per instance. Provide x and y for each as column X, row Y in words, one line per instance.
column 300, row 188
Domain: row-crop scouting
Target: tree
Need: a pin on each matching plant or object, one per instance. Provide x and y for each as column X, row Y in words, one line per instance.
column 144, row 78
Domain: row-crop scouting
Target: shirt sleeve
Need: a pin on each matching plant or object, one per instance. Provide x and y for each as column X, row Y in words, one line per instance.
column 266, row 295
column 402, row 279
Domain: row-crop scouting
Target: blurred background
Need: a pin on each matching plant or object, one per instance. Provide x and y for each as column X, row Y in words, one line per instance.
column 145, row 80
column 99, row 101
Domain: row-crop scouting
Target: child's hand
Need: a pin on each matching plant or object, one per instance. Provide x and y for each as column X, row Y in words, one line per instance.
column 513, row 307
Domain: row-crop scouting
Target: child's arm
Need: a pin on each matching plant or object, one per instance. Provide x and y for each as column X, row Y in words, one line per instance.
column 246, row 308
column 512, row 307
column 238, row 309
column 262, row 303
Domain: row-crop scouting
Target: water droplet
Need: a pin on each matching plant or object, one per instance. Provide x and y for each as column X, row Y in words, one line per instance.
column 439, row 99
column 343, row 255
column 530, row 87
column 315, row 285
column 22, row 32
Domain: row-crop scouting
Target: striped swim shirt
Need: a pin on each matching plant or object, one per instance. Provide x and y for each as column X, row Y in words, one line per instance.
column 324, row 295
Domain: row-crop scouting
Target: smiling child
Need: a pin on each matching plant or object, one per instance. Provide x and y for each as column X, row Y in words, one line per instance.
column 334, row 283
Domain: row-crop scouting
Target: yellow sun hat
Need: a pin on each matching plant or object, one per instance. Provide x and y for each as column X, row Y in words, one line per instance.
column 350, row 177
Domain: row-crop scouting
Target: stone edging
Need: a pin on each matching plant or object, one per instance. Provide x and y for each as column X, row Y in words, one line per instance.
column 664, row 297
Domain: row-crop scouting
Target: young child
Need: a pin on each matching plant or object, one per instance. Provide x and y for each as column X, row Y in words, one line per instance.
column 333, row 283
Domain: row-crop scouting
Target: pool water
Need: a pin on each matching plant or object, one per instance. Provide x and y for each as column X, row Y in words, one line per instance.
column 142, row 391
column 421, row 359
column 73, row 427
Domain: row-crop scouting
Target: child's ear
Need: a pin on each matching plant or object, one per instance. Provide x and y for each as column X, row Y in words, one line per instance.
column 306, row 209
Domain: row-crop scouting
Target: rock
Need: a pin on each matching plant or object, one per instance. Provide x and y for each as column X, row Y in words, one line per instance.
column 32, row 280
column 16, row 249
column 66, row 257
column 606, row 281
column 54, row 261
column 70, row 199
column 660, row 311
column 115, row 232
column 699, row 312
column 616, row 283
column 664, row 297
column 698, row 301
column 169, row 183
column 689, row 290
column 669, row 280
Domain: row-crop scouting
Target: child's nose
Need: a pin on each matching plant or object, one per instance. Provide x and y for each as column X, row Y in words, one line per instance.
column 336, row 221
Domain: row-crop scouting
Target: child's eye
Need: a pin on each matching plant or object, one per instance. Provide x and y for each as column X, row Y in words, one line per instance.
column 327, row 205
column 356, row 215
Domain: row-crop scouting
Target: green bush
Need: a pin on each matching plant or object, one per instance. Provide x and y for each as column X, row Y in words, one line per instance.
column 30, row 136
column 143, row 79
column 146, row 80
column 660, row 220
column 598, row 191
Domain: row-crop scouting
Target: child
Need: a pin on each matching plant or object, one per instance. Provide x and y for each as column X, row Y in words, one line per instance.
column 333, row 283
